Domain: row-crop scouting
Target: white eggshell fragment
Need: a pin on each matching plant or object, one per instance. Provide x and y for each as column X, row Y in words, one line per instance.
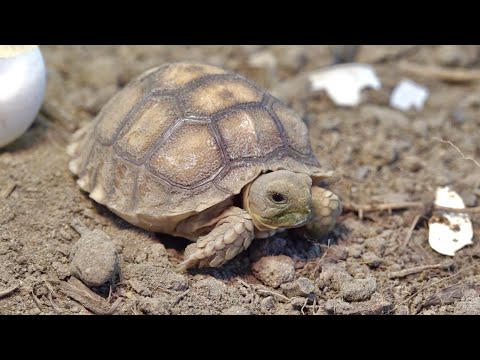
column 22, row 89
column 449, row 232
column 408, row 94
column 344, row 83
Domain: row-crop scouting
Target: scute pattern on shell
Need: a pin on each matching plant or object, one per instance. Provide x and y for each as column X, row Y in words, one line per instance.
column 183, row 137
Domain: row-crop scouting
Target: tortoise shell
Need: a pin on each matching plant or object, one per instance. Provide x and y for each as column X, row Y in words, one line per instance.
column 183, row 137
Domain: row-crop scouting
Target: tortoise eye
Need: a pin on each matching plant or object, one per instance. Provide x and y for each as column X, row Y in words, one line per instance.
column 279, row 198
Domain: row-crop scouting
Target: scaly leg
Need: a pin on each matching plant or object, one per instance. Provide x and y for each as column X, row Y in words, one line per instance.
column 326, row 208
column 232, row 234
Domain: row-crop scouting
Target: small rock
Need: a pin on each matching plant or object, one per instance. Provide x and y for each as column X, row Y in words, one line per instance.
column 377, row 305
column 174, row 281
column 93, row 258
column 412, row 164
column 469, row 198
column 376, row 244
column 213, row 288
column 154, row 306
column 333, row 275
column 274, row 270
column 268, row 303
column 302, row 287
column 297, row 303
column 157, row 252
column 337, row 253
column 237, row 310
column 371, row 259
column 139, row 287
column 63, row 270
column 358, row 289
column 35, row 311
column 355, row 250
column 469, row 305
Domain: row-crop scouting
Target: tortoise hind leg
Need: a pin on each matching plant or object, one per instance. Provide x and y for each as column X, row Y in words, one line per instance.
column 232, row 234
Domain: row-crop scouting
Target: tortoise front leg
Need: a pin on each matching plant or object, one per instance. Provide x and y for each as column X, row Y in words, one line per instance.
column 326, row 208
column 232, row 234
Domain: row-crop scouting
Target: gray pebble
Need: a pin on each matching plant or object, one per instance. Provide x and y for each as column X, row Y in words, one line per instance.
column 358, row 289
column 268, row 303
column 355, row 250
column 371, row 259
column 376, row 244
column 302, row 287
column 94, row 259
column 212, row 288
column 274, row 270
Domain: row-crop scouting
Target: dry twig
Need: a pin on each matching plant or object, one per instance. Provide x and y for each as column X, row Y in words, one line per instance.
column 8, row 190
column 410, row 231
column 10, row 290
column 459, row 151
column 413, row 270
column 458, row 75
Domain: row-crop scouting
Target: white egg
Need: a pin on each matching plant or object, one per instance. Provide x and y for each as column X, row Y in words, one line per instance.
column 22, row 89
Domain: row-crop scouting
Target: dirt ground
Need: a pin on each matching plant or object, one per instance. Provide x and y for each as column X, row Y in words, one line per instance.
column 382, row 155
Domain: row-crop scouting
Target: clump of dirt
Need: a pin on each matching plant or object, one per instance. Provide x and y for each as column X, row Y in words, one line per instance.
column 382, row 155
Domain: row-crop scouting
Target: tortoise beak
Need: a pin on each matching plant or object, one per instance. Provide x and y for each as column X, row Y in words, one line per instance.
column 303, row 219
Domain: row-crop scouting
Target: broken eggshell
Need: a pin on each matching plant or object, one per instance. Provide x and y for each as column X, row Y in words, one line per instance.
column 344, row 83
column 448, row 231
column 408, row 94
column 22, row 89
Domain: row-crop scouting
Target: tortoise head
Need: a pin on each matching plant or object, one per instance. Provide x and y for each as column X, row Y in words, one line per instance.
column 279, row 199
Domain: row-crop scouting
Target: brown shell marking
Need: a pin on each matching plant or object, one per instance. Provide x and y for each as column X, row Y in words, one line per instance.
column 183, row 137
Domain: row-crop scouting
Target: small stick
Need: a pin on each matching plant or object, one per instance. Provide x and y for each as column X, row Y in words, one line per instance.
column 180, row 297
column 449, row 75
column 471, row 210
column 244, row 283
column 80, row 228
column 459, row 151
column 37, row 300
column 438, row 282
column 10, row 290
column 114, row 306
column 406, row 205
column 410, row 231
column 319, row 262
column 109, row 294
column 8, row 190
column 379, row 207
column 274, row 293
column 413, row 270
column 305, row 304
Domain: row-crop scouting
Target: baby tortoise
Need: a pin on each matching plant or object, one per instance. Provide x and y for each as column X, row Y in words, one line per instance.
column 195, row 151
